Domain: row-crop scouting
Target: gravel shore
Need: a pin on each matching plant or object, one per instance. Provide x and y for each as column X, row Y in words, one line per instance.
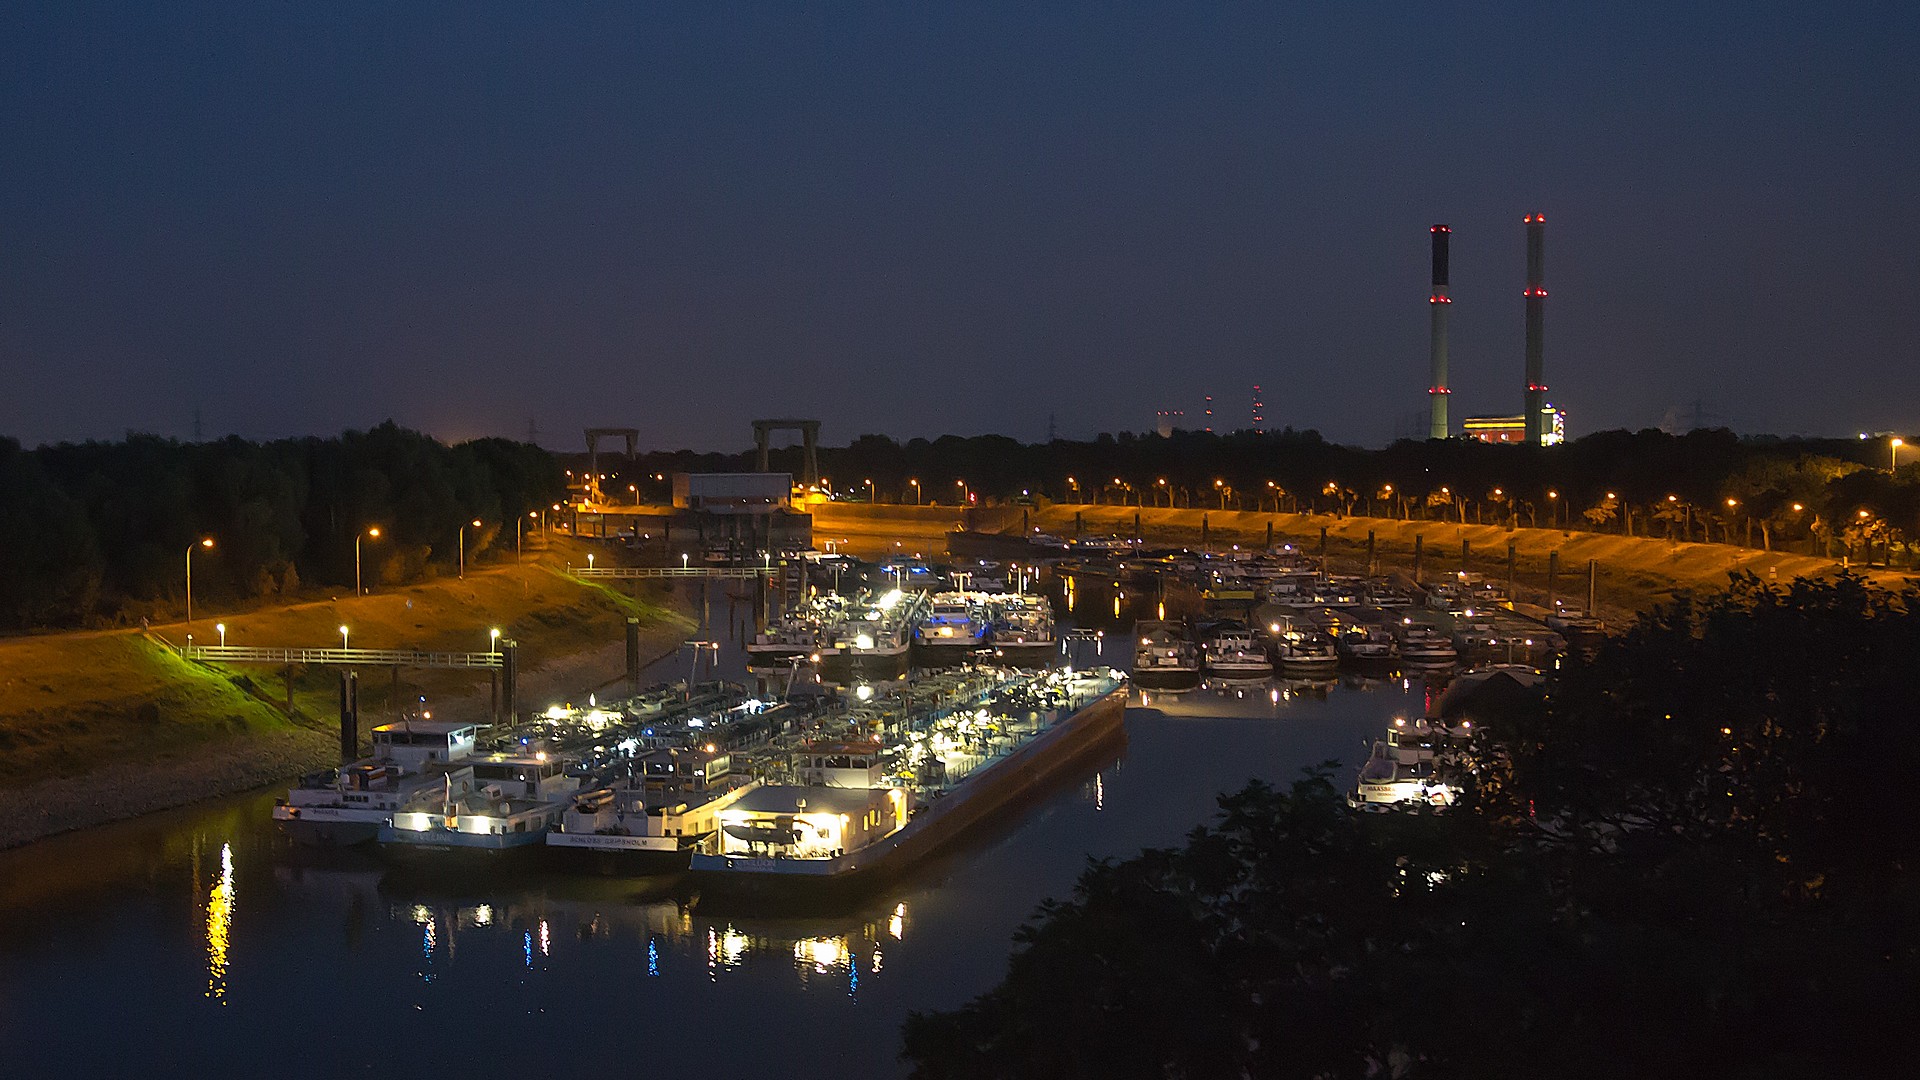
column 131, row 788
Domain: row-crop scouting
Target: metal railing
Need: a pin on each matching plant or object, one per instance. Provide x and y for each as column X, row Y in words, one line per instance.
column 628, row 572
column 249, row 654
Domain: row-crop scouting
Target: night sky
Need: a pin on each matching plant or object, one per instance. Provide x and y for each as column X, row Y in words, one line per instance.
column 915, row 219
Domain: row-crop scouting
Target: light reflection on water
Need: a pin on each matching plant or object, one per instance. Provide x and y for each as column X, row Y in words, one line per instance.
column 334, row 954
column 220, row 926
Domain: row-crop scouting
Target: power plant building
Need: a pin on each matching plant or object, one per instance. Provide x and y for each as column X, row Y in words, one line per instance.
column 1514, row 429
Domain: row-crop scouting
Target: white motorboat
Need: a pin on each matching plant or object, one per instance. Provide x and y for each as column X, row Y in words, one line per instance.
column 1232, row 652
column 348, row 805
column 1422, row 644
column 1164, row 658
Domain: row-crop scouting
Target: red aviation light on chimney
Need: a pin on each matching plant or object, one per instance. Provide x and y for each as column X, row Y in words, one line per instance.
column 1542, row 387
column 1542, row 293
column 1438, row 390
column 1536, row 219
column 1438, row 299
column 1440, row 228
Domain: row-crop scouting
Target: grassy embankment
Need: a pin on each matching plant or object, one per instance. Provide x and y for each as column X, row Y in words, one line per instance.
column 1633, row 572
column 89, row 706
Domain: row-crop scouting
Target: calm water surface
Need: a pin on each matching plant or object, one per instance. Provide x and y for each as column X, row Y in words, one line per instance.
column 196, row 942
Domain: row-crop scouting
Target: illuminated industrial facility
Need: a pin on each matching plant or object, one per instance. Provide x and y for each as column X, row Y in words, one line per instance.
column 1513, row 429
column 1538, row 422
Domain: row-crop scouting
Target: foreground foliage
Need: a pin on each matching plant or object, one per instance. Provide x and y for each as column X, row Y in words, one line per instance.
column 1691, row 859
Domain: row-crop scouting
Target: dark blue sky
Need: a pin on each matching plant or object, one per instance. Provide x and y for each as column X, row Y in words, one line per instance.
column 917, row 219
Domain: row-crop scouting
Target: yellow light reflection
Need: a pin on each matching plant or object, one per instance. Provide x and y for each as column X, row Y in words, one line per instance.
column 219, row 925
column 823, row 953
column 898, row 923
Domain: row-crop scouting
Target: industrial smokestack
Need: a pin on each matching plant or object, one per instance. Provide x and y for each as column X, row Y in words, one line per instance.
column 1439, row 302
column 1536, row 317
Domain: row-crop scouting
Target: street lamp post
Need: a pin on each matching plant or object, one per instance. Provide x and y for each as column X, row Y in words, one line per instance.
column 205, row 542
column 343, row 637
column 916, row 491
column 1893, row 453
column 1075, row 486
column 463, row 546
column 871, row 496
column 222, row 629
column 372, row 532
column 966, row 493
column 493, row 640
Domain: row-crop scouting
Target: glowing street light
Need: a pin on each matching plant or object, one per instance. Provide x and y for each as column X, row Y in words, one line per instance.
column 966, row 493
column 372, row 533
column 205, row 542
column 1893, row 453
column 343, row 636
column 683, row 560
column 871, row 497
column 1075, row 485
column 463, row 546
column 222, row 628
column 493, row 640
column 916, row 491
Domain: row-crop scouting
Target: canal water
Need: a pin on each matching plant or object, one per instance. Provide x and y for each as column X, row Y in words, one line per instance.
column 197, row 942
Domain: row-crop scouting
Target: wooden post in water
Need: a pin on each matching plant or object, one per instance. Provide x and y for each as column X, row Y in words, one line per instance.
column 1136, row 526
column 349, row 716
column 1553, row 572
column 1203, row 532
column 1323, row 551
column 1593, row 573
column 1512, row 597
column 1269, row 536
column 1418, row 542
column 1370, row 560
column 510, row 678
column 633, row 656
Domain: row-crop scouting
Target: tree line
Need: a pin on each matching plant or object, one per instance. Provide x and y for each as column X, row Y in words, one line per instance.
column 1817, row 496
column 1679, row 862
column 98, row 532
